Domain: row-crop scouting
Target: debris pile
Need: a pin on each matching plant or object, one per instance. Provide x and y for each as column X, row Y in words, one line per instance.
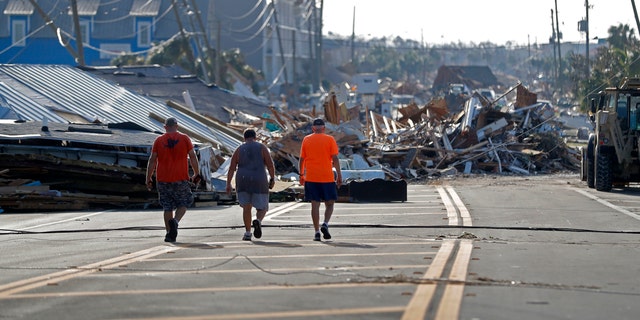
column 96, row 165
column 430, row 141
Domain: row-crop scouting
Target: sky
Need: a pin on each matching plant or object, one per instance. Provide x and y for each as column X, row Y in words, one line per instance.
column 445, row 21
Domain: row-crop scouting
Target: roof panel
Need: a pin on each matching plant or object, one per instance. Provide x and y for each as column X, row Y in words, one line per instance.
column 86, row 7
column 73, row 90
column 18, row 7
column 25, row 107
column 149, row 8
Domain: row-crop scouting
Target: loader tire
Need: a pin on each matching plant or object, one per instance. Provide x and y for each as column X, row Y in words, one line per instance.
column 590, row 172
column 589, row 163
column 604, row 172
column 583, row 164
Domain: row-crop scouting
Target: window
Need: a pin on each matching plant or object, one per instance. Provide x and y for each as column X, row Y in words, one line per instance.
column 84, row 31
column 144, row 34
column 18, row 32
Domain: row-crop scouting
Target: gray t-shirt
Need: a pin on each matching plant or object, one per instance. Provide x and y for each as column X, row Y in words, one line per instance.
column 251, row 175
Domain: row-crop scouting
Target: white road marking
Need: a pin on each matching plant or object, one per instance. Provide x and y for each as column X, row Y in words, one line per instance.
column 65, row 220
column 607, row 203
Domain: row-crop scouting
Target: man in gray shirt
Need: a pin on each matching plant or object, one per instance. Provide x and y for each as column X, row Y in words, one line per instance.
column 252, row 187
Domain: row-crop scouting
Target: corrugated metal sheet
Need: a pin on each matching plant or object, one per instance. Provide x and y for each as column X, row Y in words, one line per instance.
column 148, row 8
column 73, row 90
column 86, row 7
column 25, row 108
column 18, row 7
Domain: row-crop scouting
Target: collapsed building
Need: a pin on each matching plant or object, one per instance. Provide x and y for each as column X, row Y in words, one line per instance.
column 73, row 140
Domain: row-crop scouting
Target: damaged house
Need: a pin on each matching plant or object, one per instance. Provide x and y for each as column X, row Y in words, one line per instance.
column 67, row 130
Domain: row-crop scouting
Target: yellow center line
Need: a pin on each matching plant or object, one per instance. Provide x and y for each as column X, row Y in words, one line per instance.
column 138, row 273
column 417, row 307
column 464, row 213
column 299, row 256
column 200, row 290
column 284, row 314
column 449, row 307
column 452, row 213
column 39, row 281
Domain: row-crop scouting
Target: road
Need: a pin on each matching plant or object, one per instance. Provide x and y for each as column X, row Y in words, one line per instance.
column 479, row 247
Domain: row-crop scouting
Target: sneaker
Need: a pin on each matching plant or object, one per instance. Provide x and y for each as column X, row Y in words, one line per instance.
column 325, row 231
column 316, row 237
column 168, row 239
column 246, row 236
column 257, row 228
column 173, row 229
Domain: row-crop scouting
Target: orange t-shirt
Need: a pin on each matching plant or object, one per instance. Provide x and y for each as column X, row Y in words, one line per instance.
column 317, row 151
column 173, row 150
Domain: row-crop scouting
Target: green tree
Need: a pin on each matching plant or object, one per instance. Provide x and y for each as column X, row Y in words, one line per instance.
column 609, row 65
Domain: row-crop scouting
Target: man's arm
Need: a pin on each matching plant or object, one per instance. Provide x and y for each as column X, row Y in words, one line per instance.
column 232, row 170
column 336, row 165
column 268, row 162
column 302, row 170
column 193, row 159
column 152, row 163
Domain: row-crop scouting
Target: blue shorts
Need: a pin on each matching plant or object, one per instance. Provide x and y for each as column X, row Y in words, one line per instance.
column 174, row 195
column 320, row 191
column 259, row 201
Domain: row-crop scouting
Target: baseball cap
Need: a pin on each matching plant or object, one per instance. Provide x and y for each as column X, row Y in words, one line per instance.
column 171, row 122
column 318, row 122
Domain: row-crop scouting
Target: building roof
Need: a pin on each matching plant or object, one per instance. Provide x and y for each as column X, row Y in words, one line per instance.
column 65, row 94
column 165, row 83
column 86, row 7
column 149, row 8
column 474, row 77
column 18, row 7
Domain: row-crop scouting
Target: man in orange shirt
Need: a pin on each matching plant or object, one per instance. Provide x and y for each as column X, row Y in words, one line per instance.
column 318, row 158
column 170, row 163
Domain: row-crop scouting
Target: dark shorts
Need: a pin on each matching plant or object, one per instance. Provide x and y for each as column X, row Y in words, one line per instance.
column 174, row 195
column 320, row 191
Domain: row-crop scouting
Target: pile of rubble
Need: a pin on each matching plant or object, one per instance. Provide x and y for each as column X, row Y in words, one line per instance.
column 430, row 141
column 423, row 143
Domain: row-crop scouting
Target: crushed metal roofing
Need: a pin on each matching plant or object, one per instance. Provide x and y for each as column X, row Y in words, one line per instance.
column 101, row 134
column 170, row 82
column 148, row 8
column 35, row 91
column 18, row 7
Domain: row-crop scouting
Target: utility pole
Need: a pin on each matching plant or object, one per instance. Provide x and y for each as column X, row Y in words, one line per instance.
column 294, row 59
column 209, row 50
column 196, row 39
column 586, row 4
column 558, row 38
column 190, row 56
column 76, row 24
column 353, row 35
column 319, row 44
column 282, row 60
column 310, row 40
column 555, row 56
column 55, row 29
column 635, row 14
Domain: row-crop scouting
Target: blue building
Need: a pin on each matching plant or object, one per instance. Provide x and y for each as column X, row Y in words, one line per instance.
column 277, row 37
column 47, row 33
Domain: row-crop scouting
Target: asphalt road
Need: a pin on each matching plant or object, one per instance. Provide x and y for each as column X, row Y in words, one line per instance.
column 480, row 247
